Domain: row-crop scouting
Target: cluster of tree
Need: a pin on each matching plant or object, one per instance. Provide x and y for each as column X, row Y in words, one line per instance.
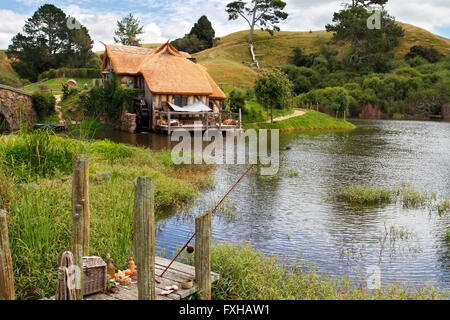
column 50, row 39
column 202, row 36
column 407, row 90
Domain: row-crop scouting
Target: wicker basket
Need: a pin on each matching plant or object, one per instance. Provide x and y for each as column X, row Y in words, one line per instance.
column 94, row 270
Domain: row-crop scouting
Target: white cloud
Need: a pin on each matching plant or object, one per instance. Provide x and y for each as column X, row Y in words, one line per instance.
column 12, row 23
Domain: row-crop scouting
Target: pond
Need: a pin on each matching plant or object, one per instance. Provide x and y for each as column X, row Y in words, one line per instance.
column 290, row 216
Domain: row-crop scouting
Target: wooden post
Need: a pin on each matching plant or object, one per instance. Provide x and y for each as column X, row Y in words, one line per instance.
column 6, row 270
column 168, row 121
column 144, row 237
column 220, row 120
column 81, row 219
column 203, row 255
column 80, row 196
column 240, row 118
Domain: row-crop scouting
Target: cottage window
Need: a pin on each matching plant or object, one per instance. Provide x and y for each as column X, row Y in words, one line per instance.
column 184, row 101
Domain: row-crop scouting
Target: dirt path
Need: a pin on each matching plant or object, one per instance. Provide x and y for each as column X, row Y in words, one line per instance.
column 295, row 114
column 58, row 107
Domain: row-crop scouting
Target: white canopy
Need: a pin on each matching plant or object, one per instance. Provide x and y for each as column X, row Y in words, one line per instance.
column 195, row 107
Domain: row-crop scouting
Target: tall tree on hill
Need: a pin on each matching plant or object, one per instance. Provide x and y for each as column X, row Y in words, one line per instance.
column 265, row 14
column 204, row 31
column 127, row 29
column 369, row 46
column 48, row 42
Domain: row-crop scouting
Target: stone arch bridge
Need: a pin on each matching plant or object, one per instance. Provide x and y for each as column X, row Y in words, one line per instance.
column 16, row 107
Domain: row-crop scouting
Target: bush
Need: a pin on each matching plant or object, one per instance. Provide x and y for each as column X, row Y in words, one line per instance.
column 111, row 100
column 44, row 104
column 430, row 54
column 236, row 101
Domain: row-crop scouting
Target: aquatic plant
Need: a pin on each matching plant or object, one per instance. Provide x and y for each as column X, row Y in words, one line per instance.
column 359, row 194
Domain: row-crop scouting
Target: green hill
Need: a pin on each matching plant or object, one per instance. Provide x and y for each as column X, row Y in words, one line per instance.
column 230, row 61
column 7, row 75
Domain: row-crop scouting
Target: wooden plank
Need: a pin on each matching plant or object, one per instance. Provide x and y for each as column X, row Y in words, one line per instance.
column 144, row 237
column 181, row 267
column 6, row 270
column 203, row 255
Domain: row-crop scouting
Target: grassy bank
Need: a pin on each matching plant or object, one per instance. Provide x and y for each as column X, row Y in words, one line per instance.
column 35, row 189
column 309, row 121
column 247, row 274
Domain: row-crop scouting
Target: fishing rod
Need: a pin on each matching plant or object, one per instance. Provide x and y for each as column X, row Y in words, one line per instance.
column 212, row 212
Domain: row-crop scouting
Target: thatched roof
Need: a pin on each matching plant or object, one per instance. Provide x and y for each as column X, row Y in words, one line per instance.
column 165, row 70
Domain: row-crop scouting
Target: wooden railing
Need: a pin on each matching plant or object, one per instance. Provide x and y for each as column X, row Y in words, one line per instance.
column 205, row 117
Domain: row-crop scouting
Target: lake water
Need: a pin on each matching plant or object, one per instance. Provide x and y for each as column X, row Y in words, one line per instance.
column 289, row 216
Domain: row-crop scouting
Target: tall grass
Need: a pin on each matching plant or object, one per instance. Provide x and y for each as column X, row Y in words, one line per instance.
column 406, row 194
column 38, row 154
column 358, row 194
column 39, row 206
column 247, row 274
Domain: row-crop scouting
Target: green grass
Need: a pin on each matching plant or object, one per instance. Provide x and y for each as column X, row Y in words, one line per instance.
column 311, row 120
column 55, row 84
column 39, row 206
column 358, row 194
column 247, row 274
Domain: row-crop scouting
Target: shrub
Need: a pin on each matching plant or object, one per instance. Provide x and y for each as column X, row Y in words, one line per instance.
column 430, row 54
column 236, row 100
column 44, row 104
column 111, row 100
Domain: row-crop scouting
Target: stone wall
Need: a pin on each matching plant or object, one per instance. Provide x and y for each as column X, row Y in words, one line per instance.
column 16, row 106
column 127, row 122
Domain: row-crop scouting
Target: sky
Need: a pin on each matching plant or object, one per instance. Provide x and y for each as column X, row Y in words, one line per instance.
column 170, row 19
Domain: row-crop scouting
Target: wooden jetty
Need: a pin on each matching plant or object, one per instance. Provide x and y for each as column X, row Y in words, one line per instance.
column 177, row 274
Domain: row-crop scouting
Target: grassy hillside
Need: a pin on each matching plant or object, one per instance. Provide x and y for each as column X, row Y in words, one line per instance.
column 230, row 61
column 7, row 75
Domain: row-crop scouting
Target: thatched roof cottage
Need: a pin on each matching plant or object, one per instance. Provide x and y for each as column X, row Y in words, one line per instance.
column 170, row 79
